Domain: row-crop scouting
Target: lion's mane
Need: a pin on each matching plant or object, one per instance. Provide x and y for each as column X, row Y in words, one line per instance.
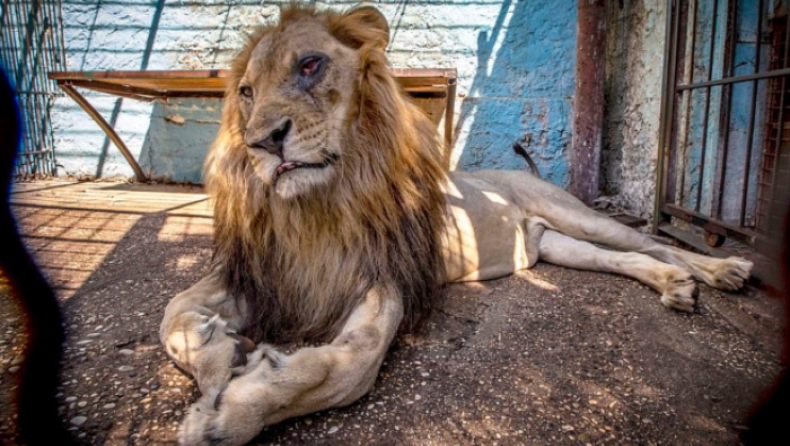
column 299, row 267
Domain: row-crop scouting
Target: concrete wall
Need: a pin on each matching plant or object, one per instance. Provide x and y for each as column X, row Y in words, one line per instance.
column 635, row 54
column 515, row 61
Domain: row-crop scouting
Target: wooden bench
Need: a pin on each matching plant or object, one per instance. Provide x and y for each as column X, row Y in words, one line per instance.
column 432, row 89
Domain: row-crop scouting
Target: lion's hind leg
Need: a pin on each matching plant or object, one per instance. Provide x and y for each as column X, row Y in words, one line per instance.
column 676, row 285
column 727, row 274
column 566, row 214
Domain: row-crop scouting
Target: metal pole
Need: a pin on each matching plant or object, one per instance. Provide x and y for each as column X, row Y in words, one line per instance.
column 588, row 107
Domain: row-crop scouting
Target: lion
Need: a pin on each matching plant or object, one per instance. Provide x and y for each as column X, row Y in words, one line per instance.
column 337, row 224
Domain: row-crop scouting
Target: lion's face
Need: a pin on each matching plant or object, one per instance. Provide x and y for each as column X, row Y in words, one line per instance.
column 294, row 100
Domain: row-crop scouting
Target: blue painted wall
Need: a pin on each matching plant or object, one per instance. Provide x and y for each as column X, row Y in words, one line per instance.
column 515, row 61
column 522, row 87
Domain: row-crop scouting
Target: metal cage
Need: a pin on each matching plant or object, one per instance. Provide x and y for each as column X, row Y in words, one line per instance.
column 725, row 125
column 32, row 45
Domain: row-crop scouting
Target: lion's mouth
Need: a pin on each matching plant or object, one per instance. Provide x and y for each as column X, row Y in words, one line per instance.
column 288, row 166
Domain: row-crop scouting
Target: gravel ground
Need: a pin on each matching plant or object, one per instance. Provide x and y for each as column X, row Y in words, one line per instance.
column 548, row 356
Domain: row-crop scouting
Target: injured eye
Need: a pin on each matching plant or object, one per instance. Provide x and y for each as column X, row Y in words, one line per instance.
column 310, row 69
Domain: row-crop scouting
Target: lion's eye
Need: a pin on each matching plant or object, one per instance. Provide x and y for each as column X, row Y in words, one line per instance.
column 245, row 91
column 309, row 67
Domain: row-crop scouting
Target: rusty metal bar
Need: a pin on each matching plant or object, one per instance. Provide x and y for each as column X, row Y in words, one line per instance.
column 668, row 104
column 588, row 102
column 679, row 73
column 753, row 111
column 724, row 153
column 689, row 102
column 737, row 79
column 709, row 224
column 715, row 19
column 108, row 130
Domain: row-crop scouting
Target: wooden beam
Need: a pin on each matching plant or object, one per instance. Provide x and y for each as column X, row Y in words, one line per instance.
column 108, row 130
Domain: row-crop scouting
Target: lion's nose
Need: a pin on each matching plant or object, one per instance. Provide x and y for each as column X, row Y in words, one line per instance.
column 271, row 142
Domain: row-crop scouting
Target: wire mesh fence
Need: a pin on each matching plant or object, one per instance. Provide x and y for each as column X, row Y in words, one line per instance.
column 31, row 45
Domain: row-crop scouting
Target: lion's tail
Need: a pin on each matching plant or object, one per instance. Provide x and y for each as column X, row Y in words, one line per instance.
column 520, row 147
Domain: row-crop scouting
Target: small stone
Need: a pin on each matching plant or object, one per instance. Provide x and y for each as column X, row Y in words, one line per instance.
column 78, row 420
column 333, row 429
column 13, row 369
column 71, row 399
column 567, row 428
column 17, row 360
column 125, row 368
column 126, row 352
column 94, row 335
column 82, row 404
column 109, row 406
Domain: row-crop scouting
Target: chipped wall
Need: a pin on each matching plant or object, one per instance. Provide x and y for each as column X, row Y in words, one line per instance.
column 635, row 55
column 515, row 62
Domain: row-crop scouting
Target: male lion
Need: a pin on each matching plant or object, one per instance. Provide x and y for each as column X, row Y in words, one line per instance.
column 336, row 225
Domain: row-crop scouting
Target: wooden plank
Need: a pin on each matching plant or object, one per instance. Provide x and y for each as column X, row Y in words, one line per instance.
column 215, row 81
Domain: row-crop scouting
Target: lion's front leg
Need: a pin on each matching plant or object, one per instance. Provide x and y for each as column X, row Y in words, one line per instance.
column 198, row 332
column 311, row 379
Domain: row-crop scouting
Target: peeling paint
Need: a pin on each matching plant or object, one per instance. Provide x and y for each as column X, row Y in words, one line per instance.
column 635, row 55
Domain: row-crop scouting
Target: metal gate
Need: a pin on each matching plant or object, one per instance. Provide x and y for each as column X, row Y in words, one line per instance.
column 31, row 45
column 725, row 125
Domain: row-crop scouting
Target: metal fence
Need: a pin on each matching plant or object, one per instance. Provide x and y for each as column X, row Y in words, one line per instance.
column 725, row 137
column 31, row 45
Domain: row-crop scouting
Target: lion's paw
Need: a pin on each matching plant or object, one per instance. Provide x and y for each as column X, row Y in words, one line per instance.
column 225, row 425
column 731, row 273
column 197, row 427
column 681, row 293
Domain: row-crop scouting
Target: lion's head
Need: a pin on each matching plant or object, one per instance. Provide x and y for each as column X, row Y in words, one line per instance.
column 325, row 178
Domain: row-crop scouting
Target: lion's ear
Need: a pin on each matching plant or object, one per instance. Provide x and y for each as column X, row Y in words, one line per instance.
column 360, row 26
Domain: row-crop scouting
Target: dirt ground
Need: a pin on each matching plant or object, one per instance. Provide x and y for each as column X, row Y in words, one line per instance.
column 548, row 356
